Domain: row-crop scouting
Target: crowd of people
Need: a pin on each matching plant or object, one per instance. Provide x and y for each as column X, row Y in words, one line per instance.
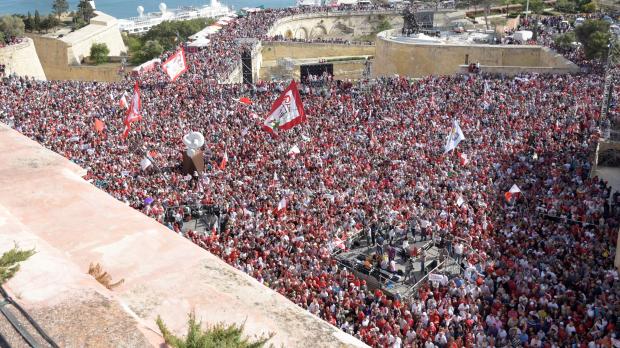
column 539, row 270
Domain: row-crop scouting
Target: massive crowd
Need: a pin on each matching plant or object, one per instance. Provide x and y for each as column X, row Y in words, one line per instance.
column 371, row 155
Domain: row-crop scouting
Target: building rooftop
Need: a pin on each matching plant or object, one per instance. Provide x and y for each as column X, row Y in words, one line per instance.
column 97, row 24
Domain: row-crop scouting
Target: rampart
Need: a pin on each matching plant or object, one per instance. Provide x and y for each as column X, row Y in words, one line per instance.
column 22, row 60
column 62, row 54
column 418, row 59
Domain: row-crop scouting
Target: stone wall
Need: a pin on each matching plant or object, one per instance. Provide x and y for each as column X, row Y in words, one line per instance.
column 299, row 50
column 61, row 57
column 343, row 70
column 423, row 59
column 338, row 24
column 348, row 24
column 310, row 53
column 102, row 29
column 22, row 60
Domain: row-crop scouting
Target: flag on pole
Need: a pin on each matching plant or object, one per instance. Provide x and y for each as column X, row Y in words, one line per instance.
column 134, row 111
column 123, row 102
column 454, row 138
column 293, row 151
column 99, row 125
column 224, row 161
column 175, row 65
column 243, row 100
column 135, row 108
column 513, row 192
column 287, row 111
column 281, row 207
column 463, row 158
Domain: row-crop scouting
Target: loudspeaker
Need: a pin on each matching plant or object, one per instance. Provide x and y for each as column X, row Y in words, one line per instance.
column 193, row 164
column 246, row 67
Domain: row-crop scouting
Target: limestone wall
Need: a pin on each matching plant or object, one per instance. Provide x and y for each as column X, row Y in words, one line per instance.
column 347, row 24
column 61, row 57
column 22, row 60
column 309, row 53
column 423, row 59
column 343, row 70
column 102, row 29
column 298, row 50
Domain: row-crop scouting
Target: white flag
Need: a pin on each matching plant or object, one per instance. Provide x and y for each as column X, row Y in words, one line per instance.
column 282, row 204
column 145, row 163
column 460, row 201
column 454, row 138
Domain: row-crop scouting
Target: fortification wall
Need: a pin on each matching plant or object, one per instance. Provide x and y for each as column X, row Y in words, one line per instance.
column 102, row 29
column 309, row 53
column 61, row 57
column 22, row 60
column 340, row 24
column 347, row 24
column 343, row 70
column 299, row 50
column 423, row 59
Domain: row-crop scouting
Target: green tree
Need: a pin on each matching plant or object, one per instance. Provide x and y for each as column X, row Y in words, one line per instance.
column 99, row 53
column 1, row 37
column 37, row 21
column 566, row 6
column 78, row 22
column 508, row 3
column 9, row 262
column 220, row 335
column 383, row 25
column 60, row 7
column 536, row 6
column 12, row 26
column 152, row 49
column 85, row 10
column 594, row 37
column 29, row 22
column 49, row 22
column 589, row 7
column 168, row 33
column 565, row 41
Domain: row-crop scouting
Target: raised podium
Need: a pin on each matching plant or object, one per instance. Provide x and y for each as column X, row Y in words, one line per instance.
column 193, row 164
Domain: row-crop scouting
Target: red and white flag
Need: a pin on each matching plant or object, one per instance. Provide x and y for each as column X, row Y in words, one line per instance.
column 123, row 102
column 175, row 65
column 243, row 100
column 281, row 207
column 513, row 192
column 134, row 111
column 464, row 159
column 286, row 112
column 224, row 161
column 293, row 151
